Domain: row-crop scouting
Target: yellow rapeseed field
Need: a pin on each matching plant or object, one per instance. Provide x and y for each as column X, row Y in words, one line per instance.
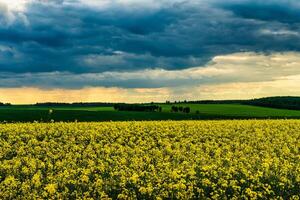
column 256, row 159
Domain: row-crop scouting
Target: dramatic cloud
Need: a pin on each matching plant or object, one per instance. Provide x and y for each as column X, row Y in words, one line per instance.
column 271, row 10
column 233, row 68
column 86, row 36
column 72, row 44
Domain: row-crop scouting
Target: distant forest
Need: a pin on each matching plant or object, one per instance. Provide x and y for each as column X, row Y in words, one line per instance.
column 87, row 104
column 5, row 104
column 137, row 107
column 291, row 103
column 287, row 102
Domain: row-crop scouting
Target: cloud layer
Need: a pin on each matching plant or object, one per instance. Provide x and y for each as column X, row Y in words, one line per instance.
column 233, row 68
column 98, row 36
column 73, row 44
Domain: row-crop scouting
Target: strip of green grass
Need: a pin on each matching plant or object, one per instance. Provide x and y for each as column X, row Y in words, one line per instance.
column 206, row 111
column 235, row 110
column 11, row 115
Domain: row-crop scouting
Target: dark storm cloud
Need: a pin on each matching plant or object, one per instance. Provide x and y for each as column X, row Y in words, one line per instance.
column 281, row 11
column 69, row 36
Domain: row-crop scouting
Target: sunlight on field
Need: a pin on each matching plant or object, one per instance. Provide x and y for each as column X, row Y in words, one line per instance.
column 151, row 160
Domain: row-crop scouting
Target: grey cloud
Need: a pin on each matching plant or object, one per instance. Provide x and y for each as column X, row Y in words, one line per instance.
column 70, row 37
column 223, row 69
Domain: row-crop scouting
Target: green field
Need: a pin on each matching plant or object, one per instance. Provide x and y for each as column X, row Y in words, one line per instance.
column 25, row 113
column 236, row 110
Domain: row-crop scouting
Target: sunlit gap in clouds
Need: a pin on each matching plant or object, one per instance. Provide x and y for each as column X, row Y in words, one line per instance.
column 15, row 5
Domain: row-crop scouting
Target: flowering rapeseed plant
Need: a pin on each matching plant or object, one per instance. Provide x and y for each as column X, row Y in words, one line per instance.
column 151, row 160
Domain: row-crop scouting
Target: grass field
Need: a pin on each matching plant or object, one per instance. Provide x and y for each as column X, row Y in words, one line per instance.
column 236, row 110
column 252, row 159
column 206, row 111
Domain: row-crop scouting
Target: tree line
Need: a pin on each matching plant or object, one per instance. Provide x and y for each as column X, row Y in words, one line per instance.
column 5, row 104
column 180, row 109
column 136, row 107
column 76, row 104
column 292, row 103
column 285, row 102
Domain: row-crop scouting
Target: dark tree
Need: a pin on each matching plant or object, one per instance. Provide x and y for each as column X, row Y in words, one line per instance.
column 174, row 109
column 136, row 107
column 187, row 110
column 180, row 109
column 5, row 104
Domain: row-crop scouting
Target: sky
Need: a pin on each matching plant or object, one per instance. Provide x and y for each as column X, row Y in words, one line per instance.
column 148, row 50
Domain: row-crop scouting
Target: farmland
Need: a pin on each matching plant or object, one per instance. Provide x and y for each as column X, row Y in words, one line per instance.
column 151, row 160
column 27, row 113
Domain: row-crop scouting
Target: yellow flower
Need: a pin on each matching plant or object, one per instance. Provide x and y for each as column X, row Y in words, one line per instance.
column 51, row 188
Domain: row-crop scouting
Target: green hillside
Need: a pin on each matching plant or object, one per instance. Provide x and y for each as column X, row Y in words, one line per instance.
column 97, row 113
column 236, row 110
